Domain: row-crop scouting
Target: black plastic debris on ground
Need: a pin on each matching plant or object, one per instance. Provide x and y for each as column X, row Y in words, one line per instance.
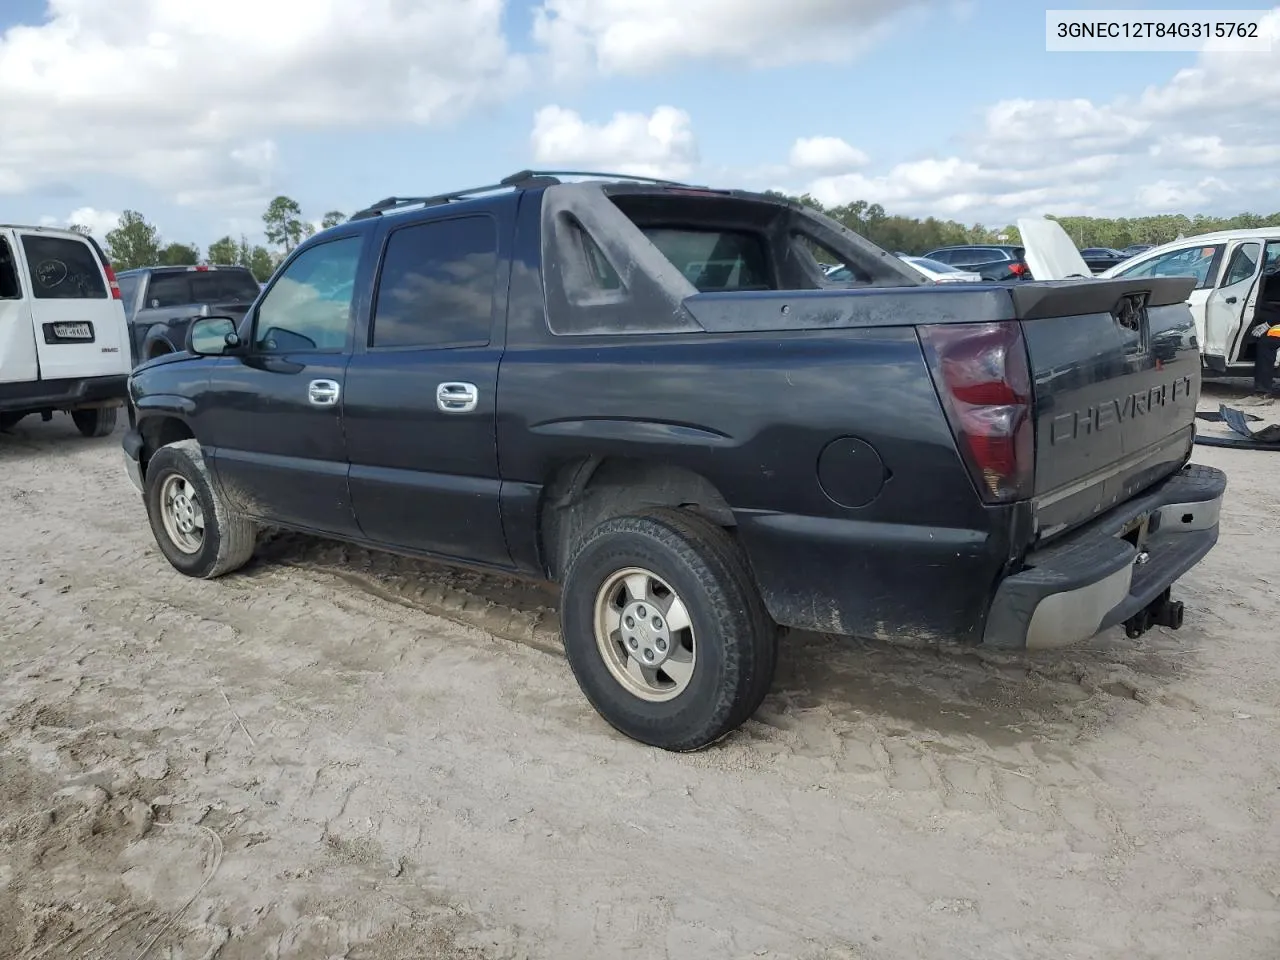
column 1268, row 438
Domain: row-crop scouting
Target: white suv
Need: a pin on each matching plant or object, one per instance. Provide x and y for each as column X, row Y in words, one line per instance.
column 64, row 342
column 1233, row 270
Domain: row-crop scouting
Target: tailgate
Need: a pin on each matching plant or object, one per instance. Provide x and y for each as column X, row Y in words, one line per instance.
column 1116, row 371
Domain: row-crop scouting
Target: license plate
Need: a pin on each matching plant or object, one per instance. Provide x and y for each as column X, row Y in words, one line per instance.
column 73, row 331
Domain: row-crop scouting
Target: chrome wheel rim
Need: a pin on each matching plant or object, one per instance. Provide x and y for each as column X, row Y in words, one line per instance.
column 182, row 514
column 644, row 635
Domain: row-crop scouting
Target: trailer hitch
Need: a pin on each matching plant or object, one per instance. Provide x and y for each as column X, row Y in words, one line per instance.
column 1161, row 612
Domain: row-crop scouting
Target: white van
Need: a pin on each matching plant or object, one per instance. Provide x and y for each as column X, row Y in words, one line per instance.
column 64, row 343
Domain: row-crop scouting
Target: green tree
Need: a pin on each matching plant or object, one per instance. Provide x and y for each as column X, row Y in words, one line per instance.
column 283, row 222
column 179, row 255
column 262, row 263
column 134, row 243
column 224, row 252
column 332, row 219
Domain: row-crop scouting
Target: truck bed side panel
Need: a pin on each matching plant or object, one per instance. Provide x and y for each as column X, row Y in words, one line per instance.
column 753, row 414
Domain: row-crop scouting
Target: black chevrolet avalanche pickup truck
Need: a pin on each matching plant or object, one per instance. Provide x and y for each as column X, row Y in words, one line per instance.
column 651, row 394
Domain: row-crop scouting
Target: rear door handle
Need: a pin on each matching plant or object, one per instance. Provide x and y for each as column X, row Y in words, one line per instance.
column 1231, row 299
column 323, row 393
column 457, row 397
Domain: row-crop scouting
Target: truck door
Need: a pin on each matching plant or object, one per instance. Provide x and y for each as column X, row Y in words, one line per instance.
column 273, row 417
column 420, row 403
column 76, row 316
column 17, row 342
column 1234, row 297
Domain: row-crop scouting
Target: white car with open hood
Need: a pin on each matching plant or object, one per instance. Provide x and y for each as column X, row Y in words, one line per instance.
column 64, row 343
column 1232, row 269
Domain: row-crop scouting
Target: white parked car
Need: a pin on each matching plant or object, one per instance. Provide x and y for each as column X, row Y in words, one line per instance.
column 932, row 269
column 64, row 343
column 1229, row 267
column 940, row 272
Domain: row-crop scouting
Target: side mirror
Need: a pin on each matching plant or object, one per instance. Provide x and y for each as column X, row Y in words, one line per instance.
column 212, row 337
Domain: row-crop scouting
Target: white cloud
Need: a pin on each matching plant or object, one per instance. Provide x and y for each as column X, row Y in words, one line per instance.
column 184, row 96
column 99, row 222
column 1169, row 196
column 659, row 144
column 1215, row 153
column 1048, row 125
column 1142, row 153
column 641, row 36
column 826, row 155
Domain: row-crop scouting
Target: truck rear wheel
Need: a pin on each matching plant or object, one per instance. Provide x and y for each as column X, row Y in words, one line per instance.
column 665, row 630
column 195, row 530
column 10, row 420
column 96, row 422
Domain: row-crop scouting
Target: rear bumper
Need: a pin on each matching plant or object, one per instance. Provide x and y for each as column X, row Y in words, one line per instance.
column 70, row 394
column 1097, row 578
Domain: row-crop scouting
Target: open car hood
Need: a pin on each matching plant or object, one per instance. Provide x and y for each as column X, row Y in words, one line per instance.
column 1049, row 251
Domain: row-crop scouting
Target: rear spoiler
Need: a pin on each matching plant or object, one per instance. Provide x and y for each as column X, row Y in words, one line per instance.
column 1068, row 298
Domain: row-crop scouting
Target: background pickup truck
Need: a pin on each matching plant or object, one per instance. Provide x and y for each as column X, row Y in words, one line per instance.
column 160, row 302
column 652, row 394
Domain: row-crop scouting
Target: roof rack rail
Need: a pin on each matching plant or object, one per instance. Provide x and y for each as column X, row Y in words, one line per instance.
column 528, row 174
column 523, row 180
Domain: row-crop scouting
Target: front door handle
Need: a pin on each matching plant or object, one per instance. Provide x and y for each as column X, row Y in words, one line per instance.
column 323, row 393
column 457, row 397
column 1231, row 299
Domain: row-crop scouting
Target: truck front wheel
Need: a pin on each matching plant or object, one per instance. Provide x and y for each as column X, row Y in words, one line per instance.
column 196, row 531
column 665, row 630
column 96, row 421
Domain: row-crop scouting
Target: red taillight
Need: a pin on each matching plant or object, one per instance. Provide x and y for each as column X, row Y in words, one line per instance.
column 1018, row 269
column 112, row 282
column 984, row 381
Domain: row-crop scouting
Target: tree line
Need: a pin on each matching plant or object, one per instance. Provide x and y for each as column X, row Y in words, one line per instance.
column 135, row 242
column 916, row 236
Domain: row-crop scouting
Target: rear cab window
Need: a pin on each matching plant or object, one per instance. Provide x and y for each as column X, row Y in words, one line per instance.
column 62, row 268
column 198, row 286
column 682, row 243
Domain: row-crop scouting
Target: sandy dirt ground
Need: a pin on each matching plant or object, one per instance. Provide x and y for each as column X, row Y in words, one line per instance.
column 341, row 754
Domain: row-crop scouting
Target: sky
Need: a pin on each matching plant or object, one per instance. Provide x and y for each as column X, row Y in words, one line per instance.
column 197, row 113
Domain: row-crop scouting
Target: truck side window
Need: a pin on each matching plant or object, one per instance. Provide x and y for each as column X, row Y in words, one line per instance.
column 309, row 306
column 436, row 286
column 1243, row 265
column 9, row 288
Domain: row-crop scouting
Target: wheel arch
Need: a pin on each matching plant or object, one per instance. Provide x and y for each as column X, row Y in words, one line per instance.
column 160, row 430
column 157, row 343
column 585, row 492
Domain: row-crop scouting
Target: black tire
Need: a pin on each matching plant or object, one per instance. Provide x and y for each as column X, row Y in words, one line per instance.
column 227, row 541
column 159, row 349
column 736, row 641
column 96, row 422
column 10, row 420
